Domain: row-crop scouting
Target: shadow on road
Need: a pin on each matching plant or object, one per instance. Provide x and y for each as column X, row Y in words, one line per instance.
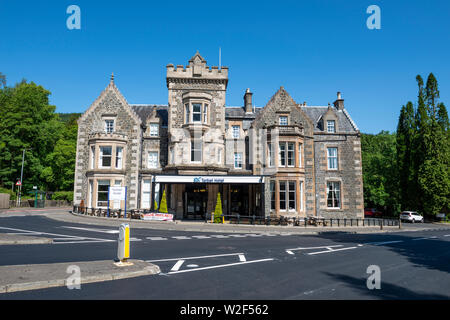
column 387, row 291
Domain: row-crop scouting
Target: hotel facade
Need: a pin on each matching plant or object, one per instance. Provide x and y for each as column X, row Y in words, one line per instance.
column 283, row 159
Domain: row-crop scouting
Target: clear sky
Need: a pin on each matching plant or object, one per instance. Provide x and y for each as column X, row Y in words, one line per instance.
column 313, row 48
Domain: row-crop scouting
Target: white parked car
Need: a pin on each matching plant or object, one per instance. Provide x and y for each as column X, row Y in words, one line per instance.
column 411, row 216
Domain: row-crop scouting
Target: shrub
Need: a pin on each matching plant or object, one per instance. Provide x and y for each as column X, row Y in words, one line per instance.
column 63, row 195
column 218, row 210
column 8, row 191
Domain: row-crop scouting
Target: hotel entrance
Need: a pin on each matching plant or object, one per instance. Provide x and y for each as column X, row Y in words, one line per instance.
column 196, row 201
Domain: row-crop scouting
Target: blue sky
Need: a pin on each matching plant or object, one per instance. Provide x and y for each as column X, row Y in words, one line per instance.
column 312, row 48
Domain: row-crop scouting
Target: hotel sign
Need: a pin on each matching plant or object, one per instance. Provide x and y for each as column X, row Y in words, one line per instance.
column 207, row 179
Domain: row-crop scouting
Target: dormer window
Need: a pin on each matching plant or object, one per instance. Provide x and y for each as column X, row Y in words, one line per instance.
column 154, row 129
column 109, row 125
column 331, row 126
column 283, row 120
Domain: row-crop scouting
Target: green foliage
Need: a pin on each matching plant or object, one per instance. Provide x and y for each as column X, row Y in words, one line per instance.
column 423, row 152
column 380, row 174
column 163, row 204
column 28, row 121
column 218, row 210
column 63, row 195
column 10, row 192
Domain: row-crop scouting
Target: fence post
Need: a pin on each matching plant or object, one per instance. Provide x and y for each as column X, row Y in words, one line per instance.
column 331, row 222
column 239, row 218
column 381, row 224
column 339, row 222
column 399, row 223
column 306, row 221
column 253, row 219
column 345, row 222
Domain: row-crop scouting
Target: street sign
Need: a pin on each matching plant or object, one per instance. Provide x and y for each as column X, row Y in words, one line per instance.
column 18, row 183
column 116, row 193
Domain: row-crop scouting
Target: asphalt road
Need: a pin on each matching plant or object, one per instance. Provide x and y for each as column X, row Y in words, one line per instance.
column 195, row 265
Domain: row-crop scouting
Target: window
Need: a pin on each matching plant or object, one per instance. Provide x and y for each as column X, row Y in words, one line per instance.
column 291, row 154
column 196, row 150
column 301, row 195
column 154, row 129
column 109, row 126
column 119, row 157
column 196, row 112
column 286, row 151
column 282, row 195
column 105, row 157
column 146, row 194
column 271, row 155
column 282, row 154
column 331, row 126
column 236, row 130
column 102, row 193
column 272, row 195
column 287, row 195
column 205, row 113
column 187, row 119
column 92, row 157
column 332, row 159
column 283, row 120
column 219, row 155
column 153, row 159
column 237, row 160
column 300, row 147
column 333, row 194
column 291, row 193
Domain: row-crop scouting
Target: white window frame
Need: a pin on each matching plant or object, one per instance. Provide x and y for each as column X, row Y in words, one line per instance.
column 283, row 123
column 280, row 153
column 119, row 157
column 199, row 113
column 300, row 153
column 336, row 193
column 193, row 144
column 154, row 129
column 109, row 125
column 205, row 113
column 292, row 152
column 100, row 165
column 331, row 126
column 238, row 160
column 332, row 161
column 102, row 183
column 92, row 165
column 187, row 113
column 236, row 131
column 152, row 160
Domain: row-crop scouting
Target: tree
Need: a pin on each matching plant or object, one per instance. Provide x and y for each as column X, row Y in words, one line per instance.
column 380, row 174
column 218, row 210
column 27, row 121
column 2, row 80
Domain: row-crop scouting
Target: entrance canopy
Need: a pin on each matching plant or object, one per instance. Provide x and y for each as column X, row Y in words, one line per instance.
column 207, row 179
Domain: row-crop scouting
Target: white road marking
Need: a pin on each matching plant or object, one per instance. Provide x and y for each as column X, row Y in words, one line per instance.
column 428, row 238
column 219, row 236
column 242, row 258
column 311, row 248
column 222, row 266
column 94, row 230
column 385, row 242
column 58, row 235
column 255, row 235
column 181, row 238
column 84, row 241
column 156, row 238
column 201, row 237
column 192, row 265
column 177, row 265
column 289, row 251
column 238, row 235
column 331, row 250
column 200, row 257
column 447, row 235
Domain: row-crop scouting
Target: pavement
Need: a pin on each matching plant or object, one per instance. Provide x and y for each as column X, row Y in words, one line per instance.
column 39, row 276
column 13, row 239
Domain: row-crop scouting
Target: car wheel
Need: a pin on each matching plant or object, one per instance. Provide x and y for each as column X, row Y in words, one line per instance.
column 412, row 221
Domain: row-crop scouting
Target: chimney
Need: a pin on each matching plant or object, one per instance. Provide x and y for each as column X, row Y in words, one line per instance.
column 339, row 103
column 248, row 101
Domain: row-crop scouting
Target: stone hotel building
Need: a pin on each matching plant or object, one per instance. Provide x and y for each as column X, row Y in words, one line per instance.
column 283, row 159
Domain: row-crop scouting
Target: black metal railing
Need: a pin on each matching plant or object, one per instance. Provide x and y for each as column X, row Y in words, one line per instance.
column 253, row 219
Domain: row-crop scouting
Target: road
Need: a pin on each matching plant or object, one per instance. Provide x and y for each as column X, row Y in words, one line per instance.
column 195, row 265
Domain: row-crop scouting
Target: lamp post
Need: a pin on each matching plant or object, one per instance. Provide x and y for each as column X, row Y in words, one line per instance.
column 21, row 175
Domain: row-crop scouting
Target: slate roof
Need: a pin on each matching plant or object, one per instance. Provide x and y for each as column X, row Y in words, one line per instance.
column 345, row 123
